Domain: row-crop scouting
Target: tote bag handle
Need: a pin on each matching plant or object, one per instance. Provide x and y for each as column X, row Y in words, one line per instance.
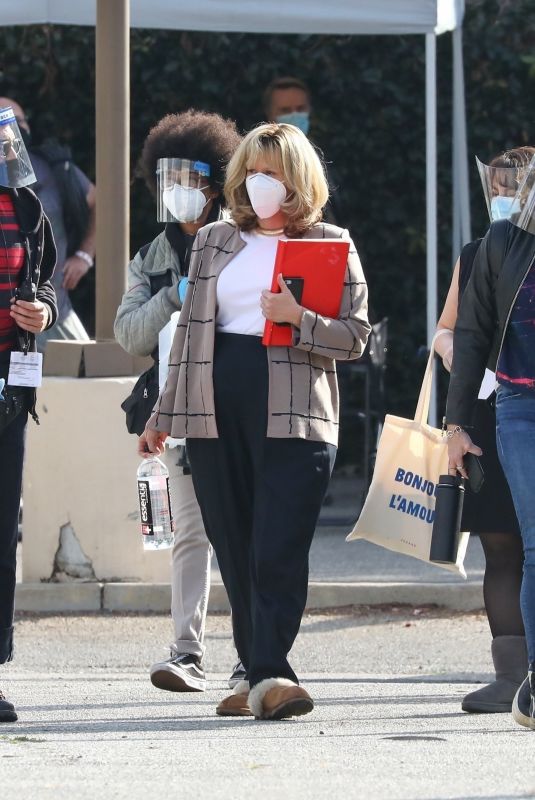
column 424, row 400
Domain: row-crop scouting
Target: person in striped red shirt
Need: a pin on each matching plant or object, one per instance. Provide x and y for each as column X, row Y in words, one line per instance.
column 27, row 307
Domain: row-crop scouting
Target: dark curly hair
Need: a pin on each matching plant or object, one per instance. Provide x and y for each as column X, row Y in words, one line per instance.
column 195, row 135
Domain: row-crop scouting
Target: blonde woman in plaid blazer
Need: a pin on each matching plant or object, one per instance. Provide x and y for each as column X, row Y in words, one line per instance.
column 261, row 424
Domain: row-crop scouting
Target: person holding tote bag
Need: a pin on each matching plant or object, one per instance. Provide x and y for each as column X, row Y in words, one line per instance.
column 490, row 513
column 399, row 509
column 261, row 423
column 496, row 328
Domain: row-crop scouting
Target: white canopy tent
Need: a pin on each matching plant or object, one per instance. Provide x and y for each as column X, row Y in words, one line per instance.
column 268, row 16
column 349, row 17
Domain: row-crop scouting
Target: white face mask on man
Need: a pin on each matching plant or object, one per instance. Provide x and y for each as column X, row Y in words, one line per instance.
column 184, row 203
column 266, row 194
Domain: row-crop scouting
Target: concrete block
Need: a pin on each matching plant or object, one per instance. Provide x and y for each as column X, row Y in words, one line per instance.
column 58, row 597
column 154, row 597
column 80, row 472
column 457, row 596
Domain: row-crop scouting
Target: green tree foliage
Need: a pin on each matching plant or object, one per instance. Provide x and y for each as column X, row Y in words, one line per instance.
column 368, row 119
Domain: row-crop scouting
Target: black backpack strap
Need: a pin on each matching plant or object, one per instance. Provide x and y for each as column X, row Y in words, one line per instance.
column 158, row 282
column 468, row 254
column 498, row 244
column 144, row 250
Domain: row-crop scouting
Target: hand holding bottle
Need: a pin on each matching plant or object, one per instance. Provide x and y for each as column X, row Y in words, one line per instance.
column 151, row 441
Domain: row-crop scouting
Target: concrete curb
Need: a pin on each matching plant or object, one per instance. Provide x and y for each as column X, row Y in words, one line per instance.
column 156, row 597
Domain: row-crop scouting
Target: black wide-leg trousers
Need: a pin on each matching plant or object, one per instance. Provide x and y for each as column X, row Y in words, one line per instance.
column 11, row 463
column 260, row 499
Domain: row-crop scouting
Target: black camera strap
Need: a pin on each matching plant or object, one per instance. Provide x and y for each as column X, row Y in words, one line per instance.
column 27, row 289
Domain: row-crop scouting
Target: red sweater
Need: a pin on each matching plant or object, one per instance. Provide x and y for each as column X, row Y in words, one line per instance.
column 11, row 264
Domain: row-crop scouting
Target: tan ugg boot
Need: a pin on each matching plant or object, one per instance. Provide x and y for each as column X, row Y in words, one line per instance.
column 236, row 705
column 279, row 698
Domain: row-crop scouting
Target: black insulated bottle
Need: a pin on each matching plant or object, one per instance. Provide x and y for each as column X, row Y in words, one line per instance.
column 447, row 521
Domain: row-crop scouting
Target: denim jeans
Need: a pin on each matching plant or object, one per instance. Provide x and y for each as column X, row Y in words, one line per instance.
column 515, row 436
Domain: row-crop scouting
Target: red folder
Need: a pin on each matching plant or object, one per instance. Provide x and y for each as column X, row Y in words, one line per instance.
column 321, row 263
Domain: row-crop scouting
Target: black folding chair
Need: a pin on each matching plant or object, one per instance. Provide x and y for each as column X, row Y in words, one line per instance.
column 367, row 403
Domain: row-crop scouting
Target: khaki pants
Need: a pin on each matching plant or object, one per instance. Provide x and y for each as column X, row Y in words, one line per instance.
column 191, row 558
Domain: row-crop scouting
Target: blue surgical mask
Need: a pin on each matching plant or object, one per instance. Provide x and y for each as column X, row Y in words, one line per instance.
column 301, row 120
column 503, row 207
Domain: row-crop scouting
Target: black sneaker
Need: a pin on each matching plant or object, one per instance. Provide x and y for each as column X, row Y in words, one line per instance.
column 180, row 673
column 524, row 702
column 7, row 710
column 238, row 674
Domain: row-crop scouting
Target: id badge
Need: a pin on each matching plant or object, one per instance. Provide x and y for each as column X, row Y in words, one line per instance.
column 25, row 370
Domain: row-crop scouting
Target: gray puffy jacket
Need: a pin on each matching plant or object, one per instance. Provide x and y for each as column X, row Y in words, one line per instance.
column 141, row 317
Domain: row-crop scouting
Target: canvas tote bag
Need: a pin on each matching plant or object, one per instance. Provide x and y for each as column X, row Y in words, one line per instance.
column 399, row 509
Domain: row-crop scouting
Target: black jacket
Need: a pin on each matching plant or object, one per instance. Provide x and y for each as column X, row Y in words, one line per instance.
column 502, row 262
column 38, row 243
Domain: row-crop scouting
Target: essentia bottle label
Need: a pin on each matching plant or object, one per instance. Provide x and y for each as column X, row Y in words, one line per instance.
column 145, row 508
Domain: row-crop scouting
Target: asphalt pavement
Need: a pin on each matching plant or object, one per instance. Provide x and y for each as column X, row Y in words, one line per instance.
column 388, row 683
column 387, row 679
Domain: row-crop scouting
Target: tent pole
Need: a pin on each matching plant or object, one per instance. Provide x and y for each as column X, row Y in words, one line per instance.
column 456, row 237
column 459, row 132
column 431, row 195
column 112, row 159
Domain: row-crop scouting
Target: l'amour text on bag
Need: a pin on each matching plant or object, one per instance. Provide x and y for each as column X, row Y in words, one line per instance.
column 399, row 511
column 403, row 502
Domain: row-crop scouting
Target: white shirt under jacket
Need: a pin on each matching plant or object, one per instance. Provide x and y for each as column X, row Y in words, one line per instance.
column 241, row 284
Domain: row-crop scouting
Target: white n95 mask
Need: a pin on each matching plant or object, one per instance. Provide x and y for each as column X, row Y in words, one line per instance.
column 184, row 203
column 266, row 194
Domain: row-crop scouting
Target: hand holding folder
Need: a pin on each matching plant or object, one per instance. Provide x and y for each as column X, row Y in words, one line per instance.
column 314, row 270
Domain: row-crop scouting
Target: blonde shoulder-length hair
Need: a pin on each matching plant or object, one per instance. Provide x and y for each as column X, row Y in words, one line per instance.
column 289, row 150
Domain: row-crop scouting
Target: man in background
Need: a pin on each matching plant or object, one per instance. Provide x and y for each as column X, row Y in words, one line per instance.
column 68, row 199
column 287, row 100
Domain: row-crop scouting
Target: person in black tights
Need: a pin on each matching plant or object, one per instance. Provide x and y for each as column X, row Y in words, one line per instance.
column 491, row 513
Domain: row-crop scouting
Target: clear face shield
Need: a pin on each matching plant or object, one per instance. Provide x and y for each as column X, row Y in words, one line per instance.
column 180, row 185
column 15, row 166
column 510, row 193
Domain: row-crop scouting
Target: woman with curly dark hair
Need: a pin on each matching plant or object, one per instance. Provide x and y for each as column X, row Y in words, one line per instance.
column 187, row 136
column 183, row 164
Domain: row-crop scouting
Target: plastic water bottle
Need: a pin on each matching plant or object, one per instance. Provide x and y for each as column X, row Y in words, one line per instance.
column 155, row 504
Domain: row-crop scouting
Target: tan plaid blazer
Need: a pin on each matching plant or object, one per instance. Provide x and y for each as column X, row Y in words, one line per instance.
column 303, row 391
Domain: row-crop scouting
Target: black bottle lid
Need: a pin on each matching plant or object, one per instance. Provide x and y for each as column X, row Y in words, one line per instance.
column 456, row 481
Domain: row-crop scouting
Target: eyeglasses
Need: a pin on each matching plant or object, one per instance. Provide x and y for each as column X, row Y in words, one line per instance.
column 9, row 145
